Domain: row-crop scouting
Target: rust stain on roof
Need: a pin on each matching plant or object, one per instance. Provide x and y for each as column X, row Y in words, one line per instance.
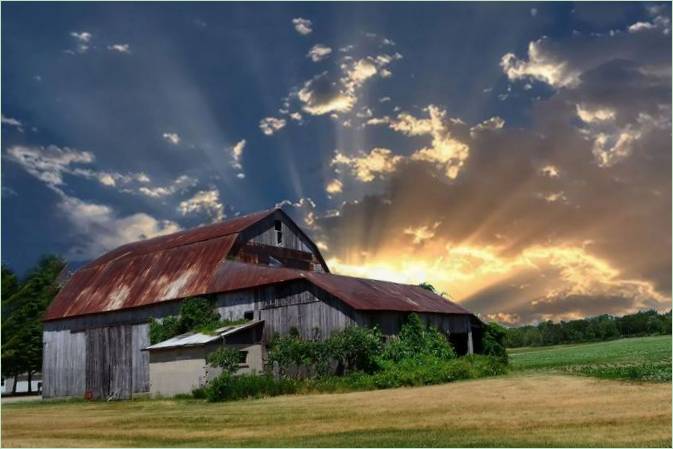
column 194, row 262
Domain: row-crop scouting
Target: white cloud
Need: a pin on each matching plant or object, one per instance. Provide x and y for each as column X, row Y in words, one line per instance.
column 319, row 52
column 48, row 164
column 541, row 65
column 533, row 12
column 271, row 125
column 237, row 153
column 204, row 201
column 367, row 166
column 172, row 138
column 120, row 48
column 100, row 228
column 590, row 115
column 296, row 116
column 491, row 124
column 334, row 186
column 180, row 184
column 445, row 151
column 321, row 96
column 302, row 26
column 83, row 38
column 9, row 121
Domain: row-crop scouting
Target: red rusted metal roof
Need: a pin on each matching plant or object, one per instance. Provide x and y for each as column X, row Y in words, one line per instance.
column 370, row 294
column 194, row 262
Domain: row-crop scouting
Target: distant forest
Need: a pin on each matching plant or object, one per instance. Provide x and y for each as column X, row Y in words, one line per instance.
column 599, row 328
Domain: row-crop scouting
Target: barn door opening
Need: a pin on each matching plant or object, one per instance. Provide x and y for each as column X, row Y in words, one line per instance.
column 108, row 363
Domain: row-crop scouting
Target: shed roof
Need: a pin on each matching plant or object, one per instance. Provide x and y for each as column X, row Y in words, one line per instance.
column 194, row 262
column 191, row 339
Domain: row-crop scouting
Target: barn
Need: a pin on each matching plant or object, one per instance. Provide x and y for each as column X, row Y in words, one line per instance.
column 261, row 267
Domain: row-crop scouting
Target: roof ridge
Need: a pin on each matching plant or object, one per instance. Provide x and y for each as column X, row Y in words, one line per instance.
column 263, row 214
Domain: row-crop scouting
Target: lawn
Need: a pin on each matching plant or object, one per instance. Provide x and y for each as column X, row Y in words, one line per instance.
column 518, row 410
column 646, row 358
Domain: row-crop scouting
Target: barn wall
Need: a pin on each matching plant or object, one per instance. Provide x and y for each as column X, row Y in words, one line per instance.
column 76, row 345
column 63, row 367
column 297, row 305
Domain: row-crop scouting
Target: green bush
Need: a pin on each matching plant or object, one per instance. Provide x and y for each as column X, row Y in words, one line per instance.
column 225, row 358
column 229, row 388
column 355, row 348
column 493, row 341
column 417, row 340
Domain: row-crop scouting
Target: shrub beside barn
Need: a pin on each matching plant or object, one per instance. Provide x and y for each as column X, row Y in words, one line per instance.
column 260, row 267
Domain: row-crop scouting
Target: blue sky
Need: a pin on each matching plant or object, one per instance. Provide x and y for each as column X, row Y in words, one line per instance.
column 467, row 144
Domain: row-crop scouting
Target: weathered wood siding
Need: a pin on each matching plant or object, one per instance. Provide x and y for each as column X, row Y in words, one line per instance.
column 63, row 367
column 264, row 233
column 109, row 372
column 292, row 305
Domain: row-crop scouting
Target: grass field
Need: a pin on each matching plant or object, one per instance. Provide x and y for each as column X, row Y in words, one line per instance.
column 520, row 410
column 646, row 358
column 533, row 406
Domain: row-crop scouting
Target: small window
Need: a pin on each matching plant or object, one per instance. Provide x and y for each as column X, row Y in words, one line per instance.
column 249, row 315
column 242, row 357
column 278, row 226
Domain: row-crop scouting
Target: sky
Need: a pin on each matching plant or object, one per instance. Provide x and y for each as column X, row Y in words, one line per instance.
column 515, row 155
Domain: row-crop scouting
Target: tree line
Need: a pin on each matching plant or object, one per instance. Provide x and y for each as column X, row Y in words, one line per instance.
column 24, row 301
column 598, row 328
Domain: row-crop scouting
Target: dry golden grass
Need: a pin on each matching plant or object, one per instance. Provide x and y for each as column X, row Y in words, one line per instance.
column 523, row 410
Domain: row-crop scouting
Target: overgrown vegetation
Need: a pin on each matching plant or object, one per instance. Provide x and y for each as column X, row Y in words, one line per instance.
column 358, row 358
column 196, row 315
column 24, row 302
column 599, row 328
column 226, row 358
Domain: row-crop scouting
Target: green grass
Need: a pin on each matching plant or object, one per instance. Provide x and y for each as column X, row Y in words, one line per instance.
column 527, row 409
column 644, row 359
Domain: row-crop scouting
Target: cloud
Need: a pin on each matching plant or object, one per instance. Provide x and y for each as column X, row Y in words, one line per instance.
column 204, row 201
column 83, row 39
column 120, row 48
column 81, row 36
column 326, row 93
column 320, row 95
column 421, row 233
column 100, row 228
column 368, row 166
column 172, row 138
column 550, row 170
column 49, row 164
column 334, row 186
column 445, row 151
column 271, row 125
column 302, row 26
column 567, row 216
column 540, row 65
column 319, row 52
column 9, row 121
column 237, row 153
column 180, row 184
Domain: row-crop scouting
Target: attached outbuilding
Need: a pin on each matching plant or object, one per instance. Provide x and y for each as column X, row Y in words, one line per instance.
column 260, row 267
column 179, row 365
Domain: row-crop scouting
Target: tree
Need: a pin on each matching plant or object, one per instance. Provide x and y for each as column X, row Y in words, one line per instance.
column 22, row 318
